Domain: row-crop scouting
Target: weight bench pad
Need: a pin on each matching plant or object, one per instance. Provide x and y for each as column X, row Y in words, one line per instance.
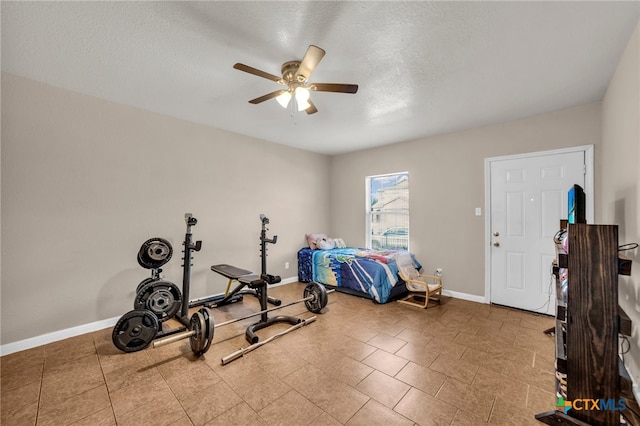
column 241, row 275
column 229, row 271
column 251, row 280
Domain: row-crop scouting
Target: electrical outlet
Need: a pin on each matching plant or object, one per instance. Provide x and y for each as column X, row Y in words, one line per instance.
column 438, row 272
column 286, row 265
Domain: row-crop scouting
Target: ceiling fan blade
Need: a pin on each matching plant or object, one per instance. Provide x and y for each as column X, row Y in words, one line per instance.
column 311, row 58
column 334, row 87
column 312, row 108
column 267, row 96
column 259, row 73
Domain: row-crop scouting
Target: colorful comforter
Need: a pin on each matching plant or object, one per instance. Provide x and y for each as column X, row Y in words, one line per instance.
column 368, row 271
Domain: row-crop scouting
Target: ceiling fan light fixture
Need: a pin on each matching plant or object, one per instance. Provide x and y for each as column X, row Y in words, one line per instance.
column 302, row 98
column 284, row 99
column 295, row 77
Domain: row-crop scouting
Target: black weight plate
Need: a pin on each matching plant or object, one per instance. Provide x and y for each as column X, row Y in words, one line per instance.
column 141, row 262
column 163, row 298
column 154, row 253
column 319, row 294
column 209, row 328
column 198, row 340
column 144, row 282
column 135, row 330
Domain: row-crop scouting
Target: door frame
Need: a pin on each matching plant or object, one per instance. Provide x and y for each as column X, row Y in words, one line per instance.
column 588, row 189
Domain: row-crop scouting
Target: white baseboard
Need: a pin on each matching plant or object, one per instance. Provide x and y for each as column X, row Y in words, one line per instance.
column 464, row 296
column 287, row 281
column 55, row 336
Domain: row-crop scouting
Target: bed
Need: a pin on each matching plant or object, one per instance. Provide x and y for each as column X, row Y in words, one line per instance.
column 363, row 272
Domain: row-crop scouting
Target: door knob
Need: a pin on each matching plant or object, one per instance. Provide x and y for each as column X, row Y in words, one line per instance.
column 496, row 244
column 496, row 234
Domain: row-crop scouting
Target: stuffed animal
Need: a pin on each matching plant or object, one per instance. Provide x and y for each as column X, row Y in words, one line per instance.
column 339, row 243
column 313, row 240
column 326, row 244
column 322, row 242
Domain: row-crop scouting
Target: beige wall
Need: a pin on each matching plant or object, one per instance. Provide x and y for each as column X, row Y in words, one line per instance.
column 85, row 182
column 446, row 184
column 620, row 179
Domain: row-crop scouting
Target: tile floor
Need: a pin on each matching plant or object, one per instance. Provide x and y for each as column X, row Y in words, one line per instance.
column 459, row 363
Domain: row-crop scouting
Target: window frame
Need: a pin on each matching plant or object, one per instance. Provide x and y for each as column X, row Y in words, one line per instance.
column 369, row 212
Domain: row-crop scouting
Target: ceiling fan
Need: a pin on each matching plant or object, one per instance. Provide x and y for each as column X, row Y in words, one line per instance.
column 295, row 76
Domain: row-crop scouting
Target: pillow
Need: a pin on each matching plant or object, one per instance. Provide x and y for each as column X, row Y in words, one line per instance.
column 312, row 240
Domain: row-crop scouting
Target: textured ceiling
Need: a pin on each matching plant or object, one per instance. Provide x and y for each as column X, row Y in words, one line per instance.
column 423, row 68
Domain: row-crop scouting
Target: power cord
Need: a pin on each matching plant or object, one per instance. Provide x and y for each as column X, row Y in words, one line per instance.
column 622, row 350
column 552, row 279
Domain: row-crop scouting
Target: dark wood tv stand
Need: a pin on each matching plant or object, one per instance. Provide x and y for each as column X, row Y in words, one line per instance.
column 587, row 327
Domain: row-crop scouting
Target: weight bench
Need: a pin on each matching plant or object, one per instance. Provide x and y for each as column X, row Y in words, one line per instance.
column 245, row 279
column 257, row 286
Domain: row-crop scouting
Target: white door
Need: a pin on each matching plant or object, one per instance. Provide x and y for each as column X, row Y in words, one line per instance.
column 528, row 198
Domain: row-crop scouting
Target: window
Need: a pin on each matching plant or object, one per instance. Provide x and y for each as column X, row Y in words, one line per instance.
column 388, row 211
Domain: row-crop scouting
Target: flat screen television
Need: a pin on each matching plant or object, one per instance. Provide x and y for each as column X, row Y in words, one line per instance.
column 577, row 206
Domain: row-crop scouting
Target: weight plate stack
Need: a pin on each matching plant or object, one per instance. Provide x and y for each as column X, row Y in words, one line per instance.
column 198, row 339
column 145, row 282
column 163, row 298
column 154, row 253
column 319, row 297
column 210, row 327
column 135, row 330
column 202, row 326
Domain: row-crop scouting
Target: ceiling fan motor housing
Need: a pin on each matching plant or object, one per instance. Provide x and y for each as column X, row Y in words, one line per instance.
column 289, row 70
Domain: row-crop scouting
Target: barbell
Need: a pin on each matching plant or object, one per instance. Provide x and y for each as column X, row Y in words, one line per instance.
column 240, row 352
column 202, row 324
